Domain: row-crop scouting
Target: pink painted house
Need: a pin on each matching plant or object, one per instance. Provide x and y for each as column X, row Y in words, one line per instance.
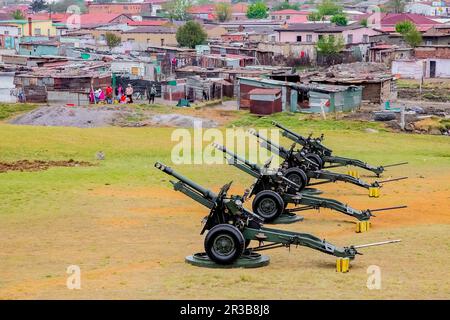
column 311, row 32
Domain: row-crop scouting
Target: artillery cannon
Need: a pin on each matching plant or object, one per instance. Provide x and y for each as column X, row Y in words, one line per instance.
column 273, row 191
column 311, row 163
column 231, row 228
column 314, row 146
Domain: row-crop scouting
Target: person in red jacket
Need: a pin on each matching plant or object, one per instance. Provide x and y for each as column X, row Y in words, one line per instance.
column 109, row 94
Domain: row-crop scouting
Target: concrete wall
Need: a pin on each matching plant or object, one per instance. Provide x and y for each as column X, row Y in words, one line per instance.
column 357, row 34
column 62, row 97
column 144, row 70
column 442, row 68
column 7, row 87
column 290, row 49
column 411, row 69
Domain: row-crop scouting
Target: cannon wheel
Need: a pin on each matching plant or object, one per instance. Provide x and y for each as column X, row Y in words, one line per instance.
column 268, row 204
column 298, row 176
column 315, row 158
column 224, row 244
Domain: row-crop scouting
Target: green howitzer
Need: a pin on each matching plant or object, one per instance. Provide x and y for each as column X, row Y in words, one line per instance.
column 273, row 191
column 315, row 146
column 310, row 163
column 230, row 227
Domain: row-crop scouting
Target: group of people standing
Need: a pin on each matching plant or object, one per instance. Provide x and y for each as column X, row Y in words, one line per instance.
column 120, row 95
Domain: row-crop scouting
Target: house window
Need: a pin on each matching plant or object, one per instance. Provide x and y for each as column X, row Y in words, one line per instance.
column 162, row 42
column 299, row 38
column 309, row 38
column 320, row 36
column 288, row 17
column 37, row 31
column 349, row 38
column 273, row 17
column 6, row 32
column 48, row 32
column 102, row 37
column 366, row 38
column 429, row 42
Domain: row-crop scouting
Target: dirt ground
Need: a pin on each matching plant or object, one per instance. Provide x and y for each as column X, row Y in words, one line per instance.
column 126, row 116
column 38, row 165
column 129, row 232
column 131, row 243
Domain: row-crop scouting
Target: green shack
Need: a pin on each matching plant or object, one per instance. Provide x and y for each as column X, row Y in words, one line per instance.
column 297, row 97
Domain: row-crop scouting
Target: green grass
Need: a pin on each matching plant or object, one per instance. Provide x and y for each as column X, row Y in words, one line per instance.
column 304, row 122
column 52, row 219
column 8, row 110
column 415, row 84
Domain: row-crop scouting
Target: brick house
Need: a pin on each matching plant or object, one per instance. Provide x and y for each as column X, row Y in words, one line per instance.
column 312, row 32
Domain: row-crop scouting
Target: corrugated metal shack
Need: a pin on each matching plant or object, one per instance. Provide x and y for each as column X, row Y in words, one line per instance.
column 263, row 57
column 63, row 84
column 376, row 90
column 303, row 97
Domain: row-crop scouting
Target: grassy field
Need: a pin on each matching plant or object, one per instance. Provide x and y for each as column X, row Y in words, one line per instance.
column 129, row 232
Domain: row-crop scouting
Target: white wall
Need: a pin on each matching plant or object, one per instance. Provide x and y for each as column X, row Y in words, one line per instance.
column 11, row 30
column 442, row 68
column 7, row 87
column 410, row 69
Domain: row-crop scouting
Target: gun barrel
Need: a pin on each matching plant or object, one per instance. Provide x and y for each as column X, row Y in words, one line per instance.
column 236, row 157
column 376, row 244
column 268, row 142
column 276, row 124
column 388, row 208
column 392, row 180
column 395, row 164
column 205, row 192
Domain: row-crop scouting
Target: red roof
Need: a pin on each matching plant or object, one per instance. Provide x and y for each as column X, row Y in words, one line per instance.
column 298, row 19
column 55, row 17
column 391, row 19
column 94, row 19
column 148, row 23
column 205, row 8
column 290, row 12
column 392, row 29
column 265, row 91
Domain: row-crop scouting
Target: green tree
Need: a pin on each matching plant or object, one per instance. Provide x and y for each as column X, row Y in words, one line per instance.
column 38, row 5
column 112, row 40
column 339, row 19
column 257, row 10
column 329, row 8
column 191, row 34
column 314, row 16
column 286, row 5
column 413, row 38
column 17, row 15
column 223, row 11
column 404, row 27
column 364, row 22
column 177, row 9
column 410, row 34
column 329, row 45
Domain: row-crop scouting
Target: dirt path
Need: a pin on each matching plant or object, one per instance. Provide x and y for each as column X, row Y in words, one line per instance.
column 130, row 243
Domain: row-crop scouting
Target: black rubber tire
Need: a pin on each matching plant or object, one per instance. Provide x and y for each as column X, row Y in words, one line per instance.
column 316, row 159
column 231, row 236
column 268, row 204
column 298, row 176
column 384, row 116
